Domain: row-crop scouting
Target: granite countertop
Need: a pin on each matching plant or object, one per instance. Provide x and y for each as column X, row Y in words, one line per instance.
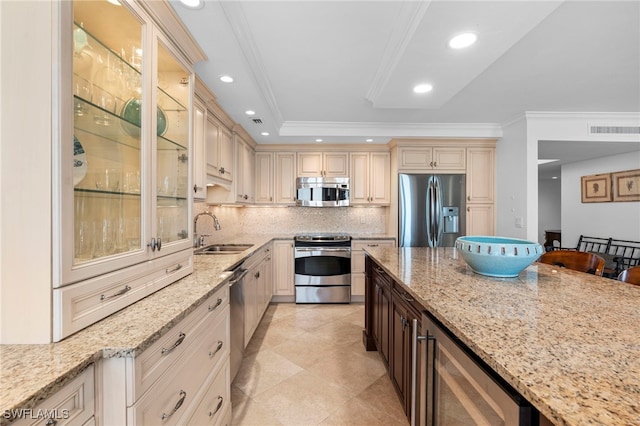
column 566, row 341
column 32, row 373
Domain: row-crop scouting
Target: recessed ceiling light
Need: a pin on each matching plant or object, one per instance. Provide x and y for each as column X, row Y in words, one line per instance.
column 250, row 112
column 545, row 161
column 423, row 88
column 462, row 40
column 193, row 4
column 368, row 140
column 265, row 133
column 226, row 79
column 318, row 140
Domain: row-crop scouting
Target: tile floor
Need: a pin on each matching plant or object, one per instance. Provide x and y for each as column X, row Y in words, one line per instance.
column 306, row 365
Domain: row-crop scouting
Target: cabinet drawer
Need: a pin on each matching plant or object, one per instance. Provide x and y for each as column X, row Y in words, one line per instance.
column 173, row 396
column 158, row 358
column 216, row 403
column 80, row 305
column 71, row 405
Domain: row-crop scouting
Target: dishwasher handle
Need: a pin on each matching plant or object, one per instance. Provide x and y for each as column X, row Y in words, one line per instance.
column 235, row 279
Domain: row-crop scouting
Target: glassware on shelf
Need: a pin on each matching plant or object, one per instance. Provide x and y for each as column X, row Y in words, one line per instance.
column 81, row 89
column 107, row 102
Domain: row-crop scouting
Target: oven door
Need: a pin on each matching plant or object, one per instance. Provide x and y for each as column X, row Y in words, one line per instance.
column 318, row 266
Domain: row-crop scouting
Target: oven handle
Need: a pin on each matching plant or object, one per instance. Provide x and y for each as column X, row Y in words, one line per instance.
column 321, row 251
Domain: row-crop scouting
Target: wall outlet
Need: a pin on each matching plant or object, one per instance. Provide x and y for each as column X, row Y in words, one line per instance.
column 363, row 219
column 519, row 222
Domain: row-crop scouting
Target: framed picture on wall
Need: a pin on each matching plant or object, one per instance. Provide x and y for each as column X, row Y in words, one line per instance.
column 626, row 185
column 596, row 188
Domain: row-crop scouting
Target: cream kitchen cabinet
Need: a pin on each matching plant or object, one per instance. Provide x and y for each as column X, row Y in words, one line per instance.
column 358, row 264
column 264, row 184
column 283, row 271
column 219, row 150
column 325, row 164
column 245, row 172
column 199, row 149
column 125, row 194
column 432, row 159
column 169, row 382
column 73, row 405
column 480, row 182
column 370, row 178
column 256, row 290
column 275, row 181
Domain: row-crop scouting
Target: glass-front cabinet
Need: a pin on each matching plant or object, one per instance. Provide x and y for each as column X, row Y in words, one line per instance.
column 125, row 203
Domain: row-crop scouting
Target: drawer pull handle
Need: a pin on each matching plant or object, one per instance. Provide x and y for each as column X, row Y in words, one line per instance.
column 177, row 268
column 212, row 353
column 372, row 245
column 220, row 400
column 183, row 395
column 120, row 293
column 407, row 297
column 212, row 308
column 181, row 337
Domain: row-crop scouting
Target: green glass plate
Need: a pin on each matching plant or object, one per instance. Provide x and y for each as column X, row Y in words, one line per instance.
column 131, row 113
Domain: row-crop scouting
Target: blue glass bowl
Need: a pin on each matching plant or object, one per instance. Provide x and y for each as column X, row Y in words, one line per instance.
column 497, row 256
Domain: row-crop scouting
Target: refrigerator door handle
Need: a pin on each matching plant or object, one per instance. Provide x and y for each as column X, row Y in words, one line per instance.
column 430, row 205
column 438, row 218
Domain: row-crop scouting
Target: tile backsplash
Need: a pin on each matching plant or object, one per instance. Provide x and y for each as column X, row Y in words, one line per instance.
column 291, row 220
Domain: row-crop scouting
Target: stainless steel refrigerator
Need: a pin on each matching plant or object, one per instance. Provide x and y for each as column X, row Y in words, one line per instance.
column 431, row 209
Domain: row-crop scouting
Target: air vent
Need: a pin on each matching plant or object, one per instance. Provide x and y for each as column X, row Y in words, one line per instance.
column 256, row 120
column 617, row 130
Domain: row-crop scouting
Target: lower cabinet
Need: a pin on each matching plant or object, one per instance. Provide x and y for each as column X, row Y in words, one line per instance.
column 389, row 324
column 357, row 265
column 172, row 380
column 72, row 405
column 257, row 290
column 283, row 271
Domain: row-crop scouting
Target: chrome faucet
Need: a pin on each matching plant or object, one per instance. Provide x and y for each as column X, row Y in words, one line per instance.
column 199, row 242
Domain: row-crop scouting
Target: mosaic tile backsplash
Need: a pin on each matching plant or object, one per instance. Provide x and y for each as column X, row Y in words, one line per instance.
column 291, row 220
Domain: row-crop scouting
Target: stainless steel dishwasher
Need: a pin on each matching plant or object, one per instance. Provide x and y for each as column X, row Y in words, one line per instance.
column 236, row 323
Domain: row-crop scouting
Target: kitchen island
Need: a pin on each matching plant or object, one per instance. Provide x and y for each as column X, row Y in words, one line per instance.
column 567, row 341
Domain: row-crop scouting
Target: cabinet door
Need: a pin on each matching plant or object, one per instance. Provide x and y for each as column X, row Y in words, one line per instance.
column 226, row 153
column 199, row 155
column 359, row 178
column 310, row 164
column 380, row 178
column 480, row 175
column 285, row 173
column 417, row 158
column 401, row 350
column 336, row 164
column 283, row 268
column 245, row 172
column 264, row 178
column 212, row 145
column 173, row 190
column 449, row 158
column 103, row 189
column 480, row 219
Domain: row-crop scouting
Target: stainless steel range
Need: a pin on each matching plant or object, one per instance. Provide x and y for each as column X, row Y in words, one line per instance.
column 322, row 268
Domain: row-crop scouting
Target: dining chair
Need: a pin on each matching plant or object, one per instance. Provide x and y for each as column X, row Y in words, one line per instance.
column 576, row 260
column 631, row 275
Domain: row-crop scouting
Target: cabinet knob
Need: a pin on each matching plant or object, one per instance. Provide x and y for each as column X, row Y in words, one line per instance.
column 468, row 197
column 468, row 209
column 196, row 188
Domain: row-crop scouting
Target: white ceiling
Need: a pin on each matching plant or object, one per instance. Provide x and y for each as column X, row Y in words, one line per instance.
column 344, row 71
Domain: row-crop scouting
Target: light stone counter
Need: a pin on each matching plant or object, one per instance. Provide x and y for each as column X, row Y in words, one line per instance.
column 569, row 342
column 31, row 373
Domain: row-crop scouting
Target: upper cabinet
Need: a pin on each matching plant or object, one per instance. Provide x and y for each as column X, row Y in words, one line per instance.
column 219, row 147
column 433, row 159
column 325, row 164
column 125, row 162
column 245, row 185
column 370, row 174
column 275, row 179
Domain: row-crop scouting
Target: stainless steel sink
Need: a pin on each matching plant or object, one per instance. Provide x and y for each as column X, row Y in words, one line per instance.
column 223, row 249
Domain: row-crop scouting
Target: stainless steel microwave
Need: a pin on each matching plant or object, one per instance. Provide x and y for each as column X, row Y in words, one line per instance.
column 322, row 192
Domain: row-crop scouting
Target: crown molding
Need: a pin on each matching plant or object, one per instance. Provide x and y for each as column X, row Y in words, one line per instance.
column 234, row 12
column 390, row 130
column 404, row 28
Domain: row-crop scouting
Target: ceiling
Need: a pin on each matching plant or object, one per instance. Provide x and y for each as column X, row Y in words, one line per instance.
column 343, row 71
